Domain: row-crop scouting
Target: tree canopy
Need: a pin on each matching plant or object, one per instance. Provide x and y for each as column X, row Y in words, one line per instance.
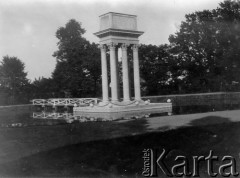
column 78, row 61
column 13, row 77
column 207, row 47
column 154, row 67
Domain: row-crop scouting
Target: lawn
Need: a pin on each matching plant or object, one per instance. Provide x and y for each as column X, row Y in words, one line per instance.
column 114, row 149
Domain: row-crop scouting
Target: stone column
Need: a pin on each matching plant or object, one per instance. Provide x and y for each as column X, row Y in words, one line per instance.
column 136, row 73
column 113, row 66
column 125, row 75
column 117, row 69
column 104, row 73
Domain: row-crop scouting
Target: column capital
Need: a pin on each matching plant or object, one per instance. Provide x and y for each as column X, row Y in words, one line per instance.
column 112, row 45
column 102, row 47
column 135, row 47
column 124, row 46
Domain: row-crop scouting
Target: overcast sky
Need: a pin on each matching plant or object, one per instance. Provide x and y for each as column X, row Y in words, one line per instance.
column 27, row 27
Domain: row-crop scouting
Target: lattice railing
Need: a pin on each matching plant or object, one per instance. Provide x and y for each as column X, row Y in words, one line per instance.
column 65, row 101
column 49, row 115
column 38, row 101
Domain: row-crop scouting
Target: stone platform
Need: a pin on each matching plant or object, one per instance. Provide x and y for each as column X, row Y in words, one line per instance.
column 120, row 110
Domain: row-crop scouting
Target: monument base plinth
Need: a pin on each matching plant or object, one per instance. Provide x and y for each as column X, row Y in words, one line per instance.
column 119, row 110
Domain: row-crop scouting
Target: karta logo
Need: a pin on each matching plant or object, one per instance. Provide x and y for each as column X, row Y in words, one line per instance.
column 152, row 161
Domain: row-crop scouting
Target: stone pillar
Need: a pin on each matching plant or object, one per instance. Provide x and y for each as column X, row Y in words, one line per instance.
column 113, row 67
column 125, row 75
column 117, row 69
column 104, row 73
column 137, row 89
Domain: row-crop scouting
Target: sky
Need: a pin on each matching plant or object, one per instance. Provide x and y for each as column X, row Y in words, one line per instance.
column 28, row 27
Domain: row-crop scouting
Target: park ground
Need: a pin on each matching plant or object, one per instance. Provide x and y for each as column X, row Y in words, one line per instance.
column 112, row 149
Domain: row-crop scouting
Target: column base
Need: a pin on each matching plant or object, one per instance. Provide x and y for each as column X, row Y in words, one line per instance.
column 138, row 99
column 103, row 103
column 127, row 101
column 114, row 101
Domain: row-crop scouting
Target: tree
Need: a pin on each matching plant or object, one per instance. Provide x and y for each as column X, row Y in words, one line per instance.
column 43, row 88
column 77, row 70
column 92, row 64
column 207, row 48
column 12, row 77
column 154, row 68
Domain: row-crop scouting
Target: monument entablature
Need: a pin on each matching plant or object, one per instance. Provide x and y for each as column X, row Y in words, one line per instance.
column 118, row 28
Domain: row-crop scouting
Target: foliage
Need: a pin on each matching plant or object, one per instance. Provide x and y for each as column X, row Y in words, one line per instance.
column 43, row 88
column 13, row 77
column 78, row 62
column 154, row 68
column 207, row 48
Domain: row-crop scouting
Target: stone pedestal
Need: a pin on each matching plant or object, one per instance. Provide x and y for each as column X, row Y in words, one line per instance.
column 119, row 108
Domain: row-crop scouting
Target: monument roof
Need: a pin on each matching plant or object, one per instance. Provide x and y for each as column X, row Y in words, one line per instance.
column 119, row 28
column 117, row 14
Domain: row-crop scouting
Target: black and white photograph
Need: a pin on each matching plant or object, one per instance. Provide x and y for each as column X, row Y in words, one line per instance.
column 119, row 88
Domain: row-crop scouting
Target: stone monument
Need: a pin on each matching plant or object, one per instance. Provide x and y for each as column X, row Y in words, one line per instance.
column 119, row 32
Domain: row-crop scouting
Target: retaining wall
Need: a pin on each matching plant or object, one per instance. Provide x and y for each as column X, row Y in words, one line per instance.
column 16, row 108
column 220, row 98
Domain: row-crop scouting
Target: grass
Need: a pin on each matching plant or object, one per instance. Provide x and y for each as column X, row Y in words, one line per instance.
column 110, row 149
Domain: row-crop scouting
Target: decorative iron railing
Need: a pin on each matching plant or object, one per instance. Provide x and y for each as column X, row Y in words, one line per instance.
column 51, row 115
column 65, row 101
column 68, row 117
